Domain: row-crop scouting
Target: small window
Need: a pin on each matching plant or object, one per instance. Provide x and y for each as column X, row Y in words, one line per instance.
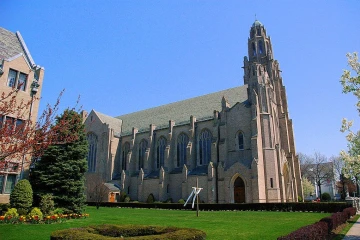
column 271, row 183
column 16, row 79
column 12, row 78
column 10, row 183
column 1, row 183
column 241, row 141
column 22, row 82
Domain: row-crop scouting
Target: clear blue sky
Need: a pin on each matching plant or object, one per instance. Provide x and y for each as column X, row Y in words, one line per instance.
column 120, row 55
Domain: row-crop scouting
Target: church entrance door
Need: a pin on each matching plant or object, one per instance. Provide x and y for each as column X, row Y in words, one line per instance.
column 239, row 191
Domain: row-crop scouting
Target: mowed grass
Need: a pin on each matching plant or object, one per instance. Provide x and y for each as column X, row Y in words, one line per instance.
column 217, row 225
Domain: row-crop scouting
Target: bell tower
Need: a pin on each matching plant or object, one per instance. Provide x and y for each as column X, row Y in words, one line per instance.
column 273, row 147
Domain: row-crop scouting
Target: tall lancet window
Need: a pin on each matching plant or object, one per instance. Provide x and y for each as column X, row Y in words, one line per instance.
column 160, row 152
column 125, row 152
column 205, row 147
column 240, row 138
column 253, row 49
column 182, row 143
column 91, row 158
column 261, row 47
column 142, row 149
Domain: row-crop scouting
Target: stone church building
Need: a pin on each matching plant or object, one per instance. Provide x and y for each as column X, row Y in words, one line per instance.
column 238, row 143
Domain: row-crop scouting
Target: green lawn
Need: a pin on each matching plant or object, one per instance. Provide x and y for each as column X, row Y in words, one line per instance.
column 217, row 225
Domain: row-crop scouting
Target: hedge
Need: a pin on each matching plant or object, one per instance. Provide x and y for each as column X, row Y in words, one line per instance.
column 323, row 228
column 108, row 231
column 283, row 207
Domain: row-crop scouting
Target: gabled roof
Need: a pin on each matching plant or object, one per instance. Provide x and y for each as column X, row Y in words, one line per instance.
column 114, row 123
column 12, row 44
column 201, row 107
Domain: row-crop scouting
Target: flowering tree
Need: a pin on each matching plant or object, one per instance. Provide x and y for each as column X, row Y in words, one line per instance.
column 20, row 136
column 351, row 84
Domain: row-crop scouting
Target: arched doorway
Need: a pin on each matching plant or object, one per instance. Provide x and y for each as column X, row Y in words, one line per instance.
column 239, row 190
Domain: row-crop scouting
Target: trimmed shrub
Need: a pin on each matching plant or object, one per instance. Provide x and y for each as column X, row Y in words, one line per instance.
column 316, row 231
column 134, row 231
column 300, row 199
column 325, row 197
column 59, row 211
column 11, row 212
column 22, row 195
column 150, row 199
column 22, row 211
column 47, row 204
column 36, row 212
column 127, row 199
column 181, row 201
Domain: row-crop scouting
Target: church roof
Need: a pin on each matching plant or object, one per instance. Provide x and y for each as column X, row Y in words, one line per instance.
column 114, row 123
column 201, row 107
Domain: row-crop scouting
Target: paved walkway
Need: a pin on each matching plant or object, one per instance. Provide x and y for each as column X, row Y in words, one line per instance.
column 354, row 232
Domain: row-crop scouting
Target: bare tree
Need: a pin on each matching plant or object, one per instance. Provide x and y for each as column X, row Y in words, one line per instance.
column 317, row 169
column 96, row 190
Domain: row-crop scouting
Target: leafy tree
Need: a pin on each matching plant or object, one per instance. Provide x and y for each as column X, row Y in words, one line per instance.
column 308, row 187
column 62, row 167
column 351, row 84
column 21, row 196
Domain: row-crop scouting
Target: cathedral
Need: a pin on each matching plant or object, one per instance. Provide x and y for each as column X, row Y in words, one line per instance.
column 238, row 143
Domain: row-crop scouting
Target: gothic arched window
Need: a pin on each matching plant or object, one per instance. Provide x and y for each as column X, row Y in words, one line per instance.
column 240, row 140
column 182, row 143
column 261, row 47
column 142, row 149
column 205, row 147
column 125, row 152
column 253, row 49
column 258, row 30
column 161, row 145
column 91, row 158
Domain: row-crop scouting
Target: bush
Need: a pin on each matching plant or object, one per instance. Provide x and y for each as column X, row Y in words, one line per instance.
column 169, row 200
column 181, row 201
column 22, row 211
column 150, row 199
column 325, row 197
column 300, row 199
column 116, row 231
column 36, row 213
column 47, row 204
column 127, row 199
column 316, row 231
column 22, row 195
column 59, row 211
column 11, row 212
column 122, row 197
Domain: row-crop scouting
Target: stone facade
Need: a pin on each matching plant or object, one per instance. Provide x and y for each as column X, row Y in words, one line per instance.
column 16, row 64
column 238, row 143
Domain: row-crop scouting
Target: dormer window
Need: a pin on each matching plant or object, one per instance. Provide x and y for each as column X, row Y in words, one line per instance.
column 17, row 79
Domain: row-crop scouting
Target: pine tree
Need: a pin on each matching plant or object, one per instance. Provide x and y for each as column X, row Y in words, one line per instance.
column 61, row 169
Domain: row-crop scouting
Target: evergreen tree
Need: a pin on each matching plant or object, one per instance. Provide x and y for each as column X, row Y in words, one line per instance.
column 61, row 169
column 21, row 196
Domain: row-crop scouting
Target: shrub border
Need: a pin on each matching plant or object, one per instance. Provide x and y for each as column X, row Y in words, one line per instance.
column 282, row 207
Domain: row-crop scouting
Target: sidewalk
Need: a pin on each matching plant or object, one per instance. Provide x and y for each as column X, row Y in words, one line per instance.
column 354, row 232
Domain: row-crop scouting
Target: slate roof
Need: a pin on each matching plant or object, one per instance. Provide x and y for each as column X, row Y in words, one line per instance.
column 201, row 107
column 114, row 123
column 10, row 45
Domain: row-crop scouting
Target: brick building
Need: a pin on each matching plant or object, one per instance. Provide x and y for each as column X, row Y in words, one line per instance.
column 17, row 70
column 238, row 142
